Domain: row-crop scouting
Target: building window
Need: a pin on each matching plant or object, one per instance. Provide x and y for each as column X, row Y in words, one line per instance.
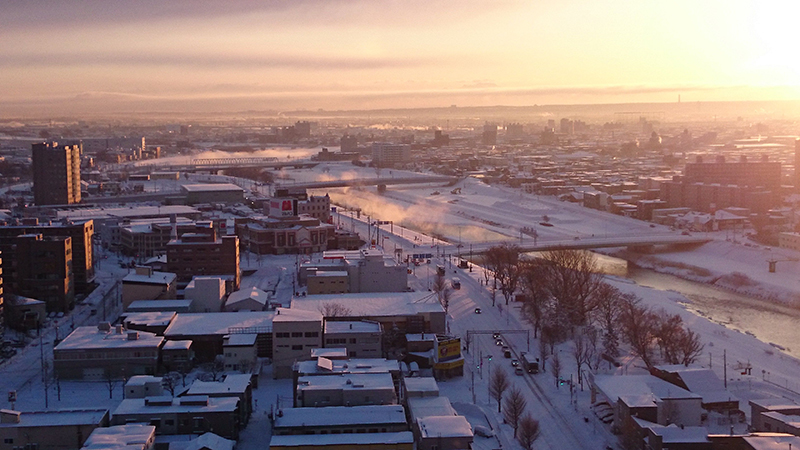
column 8, row 441
column 297, row 334
column 312, row 334
column 297, row 347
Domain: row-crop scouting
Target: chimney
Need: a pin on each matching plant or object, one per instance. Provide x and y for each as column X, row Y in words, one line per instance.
column 351, row 326
column 119, row 328
column 133, row 335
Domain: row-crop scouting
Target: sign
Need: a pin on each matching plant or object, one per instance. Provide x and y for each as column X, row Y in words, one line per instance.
column 12, row 396
column 449, row 349
column 282, row 207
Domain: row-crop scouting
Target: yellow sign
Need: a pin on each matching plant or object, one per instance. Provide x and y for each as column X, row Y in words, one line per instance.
column 449, row 349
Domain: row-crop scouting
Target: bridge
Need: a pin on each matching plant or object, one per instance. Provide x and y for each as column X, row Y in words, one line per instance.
column 369, row 182
column 539, row 245
column 199, row 164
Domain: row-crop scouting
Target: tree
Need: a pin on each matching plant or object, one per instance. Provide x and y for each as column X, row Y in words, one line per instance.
column 333, row 309
column 536, row 298
column 439, row 285
column 689, row 348
column 668, row 332
column 543, row 351
column 504, row 261
column 214, row 368
column 111, row 383
column 528, row 431
column 556, row 368
column 571, row 278
column 170, row 382
column 606, row 315
column 446, row 294
column 582, row 351
column 638, row 325
column 515, row 404
column 498, row 385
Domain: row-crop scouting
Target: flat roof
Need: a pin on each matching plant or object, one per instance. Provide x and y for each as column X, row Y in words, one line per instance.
column 231, row 384
column 430, row 406
column 205, row 324
column 61, row 417
column 349, row 381
column 374, row 304
column 297, row 315
column 156, row 278
column 444, row 426
column 83, row 338
column 421, row 384
column 351, row 326
column 133, row 406
column 211, row 187
column 243, row 294
column 328, row 352
column 322, row 440
column 159, row 304
column 131, row 436
column 240, row 339
column 772, row 442
column 133, row 211
column 341, row 415
column 177, row 345
column 637, row 387
column 362, row 365
column 150, row 319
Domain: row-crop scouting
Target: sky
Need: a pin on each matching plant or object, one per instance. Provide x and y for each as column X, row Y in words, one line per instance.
column 203, row 56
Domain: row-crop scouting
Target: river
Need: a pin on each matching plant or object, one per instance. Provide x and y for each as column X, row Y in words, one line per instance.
column 769, row 322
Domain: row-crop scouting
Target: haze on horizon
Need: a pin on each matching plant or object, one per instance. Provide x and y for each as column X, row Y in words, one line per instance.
column 94, row 56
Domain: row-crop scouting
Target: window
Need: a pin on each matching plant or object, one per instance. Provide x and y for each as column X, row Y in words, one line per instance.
column 8, row 441
column 353, row 340
column 282, row 335
column 169, row 422
column 297, row 334
column 310, row 334
column 297, row 347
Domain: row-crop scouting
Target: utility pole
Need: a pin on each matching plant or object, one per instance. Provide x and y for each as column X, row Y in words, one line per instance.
column 725, row 367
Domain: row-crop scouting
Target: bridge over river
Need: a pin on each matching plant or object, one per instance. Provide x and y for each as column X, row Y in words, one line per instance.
column 539, row 245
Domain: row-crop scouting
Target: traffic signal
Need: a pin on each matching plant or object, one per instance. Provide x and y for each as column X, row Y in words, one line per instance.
column 490, row 357
column 560, row 381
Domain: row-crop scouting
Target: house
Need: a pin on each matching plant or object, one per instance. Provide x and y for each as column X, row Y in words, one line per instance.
column 367, row 270
column 701, row 381
column 183, row 415
column 207, row 441
column 239, row 352
column 322, row 366
column 103, row 351
column 444, row 433
column 420, row 387
column 135, row 436
column 49, row 430
column 233, row 385
column 177, row 356
column 253, row 299
column 770, row 413
column 141, row 386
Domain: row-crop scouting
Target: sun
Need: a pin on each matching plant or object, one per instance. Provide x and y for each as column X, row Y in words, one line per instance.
column 776, row 30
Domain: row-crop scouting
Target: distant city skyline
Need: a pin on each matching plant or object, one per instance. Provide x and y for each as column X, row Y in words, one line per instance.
column 100, row 57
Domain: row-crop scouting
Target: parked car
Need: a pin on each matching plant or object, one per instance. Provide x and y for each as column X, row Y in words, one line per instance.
column 518, row 371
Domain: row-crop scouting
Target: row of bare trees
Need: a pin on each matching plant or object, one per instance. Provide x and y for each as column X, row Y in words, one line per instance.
column 526, row 428
column 565, row 297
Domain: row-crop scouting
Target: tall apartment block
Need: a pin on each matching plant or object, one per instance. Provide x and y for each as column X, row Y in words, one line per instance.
column 56, row 173
column 203, row 253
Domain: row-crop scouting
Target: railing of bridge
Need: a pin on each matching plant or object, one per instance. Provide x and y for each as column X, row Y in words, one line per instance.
column 231, row 161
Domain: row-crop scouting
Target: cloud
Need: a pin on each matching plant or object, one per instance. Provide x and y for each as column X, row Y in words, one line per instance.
column 210, row 61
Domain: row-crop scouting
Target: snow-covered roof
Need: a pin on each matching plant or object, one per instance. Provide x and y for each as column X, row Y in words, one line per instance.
column 348, row 381
column 444, row 426
column 211, row 187
column 134, row 436
column 243, row 294
column 328, row 352
column 140, row 305
column 637, row 388
column 166, row 278
column 232, row 384
column 297, row 315
column 156, row 405
column 430, row 406
column 151, row 318
column 177, row 345
column 210, row 441
column 421, row 384
column 793, row 420
column 134, row 211
column 341, row 415
column 775, row 404
column 205, row 324
column 141, row 380
column 772, row 442
column 374, row 304
column 240, row 340
column 673, row 434
column 62, row 417
column 83, row 338
column 702, row 381
column 365, row 365
column 306, row 440
column 359, row 326
column 330, row 273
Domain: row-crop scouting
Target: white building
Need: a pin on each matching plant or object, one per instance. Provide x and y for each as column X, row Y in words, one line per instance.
column 295, row 333
column 207, row 293
column 253, row 299
column 362, row 339
column 367, row 270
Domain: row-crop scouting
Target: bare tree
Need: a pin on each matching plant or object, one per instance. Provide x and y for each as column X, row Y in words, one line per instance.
column 214, row 368
column 170, row 382
column 582, row 351
column 333, row 309
column 572, row 279
column 439, row 285
column 507, row 269
column 498, row 385
column 556, row 368
column 606, row 315
column 668, row 332
column 111, row 382
column 543, row 351
column 445, row 299
column 638, row 325
column 690, row 348
column 536, row 297
column 528, row 431
column 515, row 407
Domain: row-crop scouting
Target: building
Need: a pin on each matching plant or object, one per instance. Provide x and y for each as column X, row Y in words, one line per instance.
column 177, row 356
column 367, row 270
column 207, row 331
column 81, row 234
column 212, row 193
column 207, row 293
column 239, row 352
column 345, row 390
column 286, row 229
column 135, row 436
column 150, row 322
column 237, row 386
column 23, row 313
column 385, row 154
column 204, row 253
column 105, row 351
column 141, row 386
column 340, row 420
column 436, row 425
column 402, row 440
column 49, row 430
column 489, row 135
column 766, row 414
column 253, row 299
column 146, row 284
column 702, row 381
column 407, row 312
column 41, row 268
column 295, row 333
column 362, row 339
column 194, row 414
column 56, row 173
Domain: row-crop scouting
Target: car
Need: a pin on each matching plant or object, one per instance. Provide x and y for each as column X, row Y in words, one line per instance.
column 515, row 362
column 477, row 310
column 499, row 342
column 506, row 351
column 496, row 335
column 483, row 431
column 518, row 371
